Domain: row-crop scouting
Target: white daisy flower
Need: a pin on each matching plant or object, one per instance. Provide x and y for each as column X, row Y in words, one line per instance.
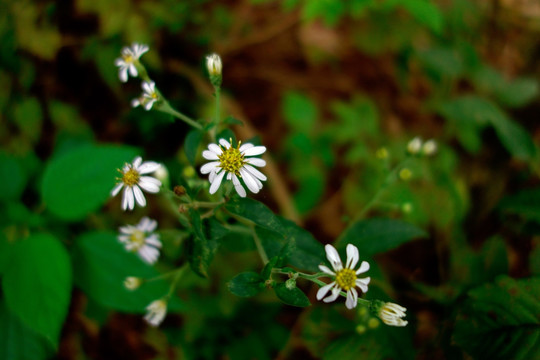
column 391, row 314
column 141, row 239
column 234, row 162
column 148, row 97
column 126, row 63
column 345, row 278
column 213, row 64
column 132, row 181
column 156, row 312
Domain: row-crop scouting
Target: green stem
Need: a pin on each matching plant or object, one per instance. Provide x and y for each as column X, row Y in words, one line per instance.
column 259, row 246
column 167, row 108
column 179, row 272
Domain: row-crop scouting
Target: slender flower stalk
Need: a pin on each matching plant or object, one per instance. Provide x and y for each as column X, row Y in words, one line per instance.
column 236, row 163
column 141, row 239
column 129, row 60
column 132, row 180
column 345, row 278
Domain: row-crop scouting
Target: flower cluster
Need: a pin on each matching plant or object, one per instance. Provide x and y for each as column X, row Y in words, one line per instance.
column 235, row 163
column 416, row 146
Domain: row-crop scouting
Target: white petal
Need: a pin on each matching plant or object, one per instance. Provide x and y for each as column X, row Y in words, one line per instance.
column 149, row 184
column 363, row 283
column 215, row 148
column 327, row 270
column 352, row 256
column 154, row 241
column 322, row 291
column 137, row 162
column 333, row 256
column 212, row 176
column 133, row 70
column 255, row 172
column 139, row 196
column 210, row 155
column 238, row 186
column 217, row 181
column 364, row 266
column 256, row 162
column 250, row 182
column 148, row 87
column 135, row 102
column 245, row 147
column 123, row 74
column 129, row 198
column 209, row 167
column 119, row 62
column 148, row 105
column 334, row 296
column 116, row 189
column 256, row 150
column 224, row 143
column 352, row 299
column 148, row 167
column 144, row 224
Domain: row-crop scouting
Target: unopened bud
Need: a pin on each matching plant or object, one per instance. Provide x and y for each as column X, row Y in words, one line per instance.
column 179, row 190
column 132, row 283
column 214, row 66
column 360, row 329
column 381, row 153
column 373, row 323
column 405, row 174
column 414, row 146
column 290, row 284
column 429, row 148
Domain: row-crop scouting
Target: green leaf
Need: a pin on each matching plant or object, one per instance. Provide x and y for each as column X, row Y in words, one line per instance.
column 426, row 13
column 514, row 138
column 501, row 320
column 266, row 272
column 442, row 62
column 37, row 284
column 525, row 203
column 255, row 211
column 518, row 92
column 375, row 236
column 300, row 112
column 231, row 120
column 191, row 145
column 293, row 297
column 246, row 284
column 79, row 182
column 29, row 118
column 5, row 252
column 101, row 265
column 18, row 342
column 13, row 177
column 203, row 249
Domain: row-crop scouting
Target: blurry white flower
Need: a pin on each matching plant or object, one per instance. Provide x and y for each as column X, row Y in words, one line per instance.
column 132, row 283
column 430, row 147
column 127, row 62
column 156, row 312
column 414, row 146
column 213, row 64
column 148, row 97
column 132, row 181
column 234, row 162
column 141, row 239
column 392, row 314
column 345, row 278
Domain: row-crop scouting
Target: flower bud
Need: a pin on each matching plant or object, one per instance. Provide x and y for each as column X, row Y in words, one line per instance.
column 290, row 284
column 405, row 174
column 414, row 146
column 132, row 283
column 429, row 148
column 381, row 153
column 214, row 66
column 391, row 314
column 179, row 190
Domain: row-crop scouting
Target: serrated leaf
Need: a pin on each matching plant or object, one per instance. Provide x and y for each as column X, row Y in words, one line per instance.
column 501, row 320
column 375, row 236
column 79, row 182
column 191, row 145
column 37, row 284
column 18, row 342
column 101, row 265
column 246, row 284
column 293, row 297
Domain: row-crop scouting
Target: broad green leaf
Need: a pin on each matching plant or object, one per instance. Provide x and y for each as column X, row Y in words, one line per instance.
column 525, row 203
column 442, row 62
column 101, row 265
column 518, row 92
column 514, row 138
column 37, row 284
column 293, row 297
column 246, row 284
column 19, row 342
column 77, row 183
column 255, row 211
column 191, row 145
column 13, row 177
column 375, row 236
column 300, row 112
column 501, row 320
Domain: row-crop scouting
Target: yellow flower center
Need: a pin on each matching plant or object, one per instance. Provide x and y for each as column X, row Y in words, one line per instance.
column 346, row 279
column 232, row 160
column 131, row 177
column 137, row 238
column 128, row 59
